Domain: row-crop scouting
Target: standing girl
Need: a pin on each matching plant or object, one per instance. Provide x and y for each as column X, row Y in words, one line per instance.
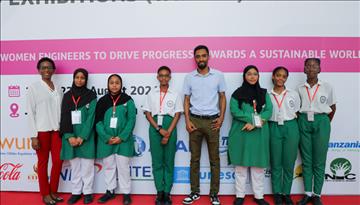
column 43, row 109
column 284, row 136
column 115, row 121
column 76, row 126
column 250, row 107
column 316, row 112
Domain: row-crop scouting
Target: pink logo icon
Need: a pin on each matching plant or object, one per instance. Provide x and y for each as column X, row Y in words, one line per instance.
column 14, row 91
column 14, row 108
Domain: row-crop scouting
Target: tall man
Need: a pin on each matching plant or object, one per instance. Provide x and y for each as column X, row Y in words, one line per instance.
column 204, row 109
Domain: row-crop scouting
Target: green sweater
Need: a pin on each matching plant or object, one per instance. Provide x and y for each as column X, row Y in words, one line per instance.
column 126, row 117
column 85, row 130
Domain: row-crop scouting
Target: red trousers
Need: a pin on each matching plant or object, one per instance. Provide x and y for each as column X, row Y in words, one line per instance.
column 49, row 142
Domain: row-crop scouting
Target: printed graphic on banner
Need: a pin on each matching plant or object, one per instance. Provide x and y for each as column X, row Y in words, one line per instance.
column 341, row 171
column 350, row 145
column 14, row 108
column 141, row 173
column 139, row 145
column 223, row 145
column 16, row 146
column 298, row 172
column 182, row 175
column 13, row 91
column 10, row 171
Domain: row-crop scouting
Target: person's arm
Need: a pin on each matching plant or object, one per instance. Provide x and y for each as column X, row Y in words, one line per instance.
column 151, row 119
column 267, row 111
column 217, row 123
column 332, row 113
column 239, row 114
column 190, row 127
column 130, row 124
column 88, row 124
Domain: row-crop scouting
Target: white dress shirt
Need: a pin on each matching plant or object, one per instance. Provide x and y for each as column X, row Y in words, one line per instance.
column 43, row 108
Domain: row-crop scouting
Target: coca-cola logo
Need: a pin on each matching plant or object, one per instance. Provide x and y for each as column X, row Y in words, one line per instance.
column 10, row 171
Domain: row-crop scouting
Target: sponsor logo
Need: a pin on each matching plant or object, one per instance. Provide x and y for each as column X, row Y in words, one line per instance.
column 14, row 108
column 33, row 176
column 182, row 175
column 16, row 146
column 340, row 171
column 98, row 167
column 141, row 173
column 13, row 91
column 346, row 145
column 223, row 148
column 66, row 172
column 10, row 171
column 140, row 146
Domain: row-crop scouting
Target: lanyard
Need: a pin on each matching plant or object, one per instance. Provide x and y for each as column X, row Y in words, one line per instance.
column 311, row 99
column 254, row 105
column 114, row 104
column 76, row 102
column 162, row 100
column 282, row 100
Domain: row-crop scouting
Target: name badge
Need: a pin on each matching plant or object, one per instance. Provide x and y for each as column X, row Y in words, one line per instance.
column 280, row 119
column 76, row 117
column 160, row 119
column 257, row 120
column 310, row 116
column 113, row 122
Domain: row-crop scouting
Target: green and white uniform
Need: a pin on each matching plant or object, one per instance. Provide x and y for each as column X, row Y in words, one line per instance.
column 165, row 104
column 284, row 139
column 314, row 133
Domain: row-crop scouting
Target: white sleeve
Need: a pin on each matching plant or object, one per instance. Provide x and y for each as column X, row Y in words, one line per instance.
column 147, row 103
column 31, row 112
column 297, row 101
column 179, row 104
column 331, row 98
column 186, row 86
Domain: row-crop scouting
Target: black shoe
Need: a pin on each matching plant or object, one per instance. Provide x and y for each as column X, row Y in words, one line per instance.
column 193, row 196
column 74, row 198
column 278, row 199
column 106, row 197
column 239, row 201
column 305, row 200
column 57, row 198
column 167, row 199
column 127, row 199
column 316, row 200
column 88, row 198
column 261, row 202
column 159, row 198
column 287, row 200
column 214, row 199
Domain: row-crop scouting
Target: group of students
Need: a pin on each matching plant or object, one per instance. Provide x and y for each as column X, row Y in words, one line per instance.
column 267, row 128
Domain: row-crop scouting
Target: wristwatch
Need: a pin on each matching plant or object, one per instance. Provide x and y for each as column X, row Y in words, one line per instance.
column 158, row 129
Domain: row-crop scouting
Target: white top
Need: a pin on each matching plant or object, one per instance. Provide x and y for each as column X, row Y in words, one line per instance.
column 323, row 99
column 171, row 103
column 289, row 106
column 43, row 108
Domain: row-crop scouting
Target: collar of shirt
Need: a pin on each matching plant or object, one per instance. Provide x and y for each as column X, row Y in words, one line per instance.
column 196, row 73
column 306, row 84
column 282, row 93
column 157, row 89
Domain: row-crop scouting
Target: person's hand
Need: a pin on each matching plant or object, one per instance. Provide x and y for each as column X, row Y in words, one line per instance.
column 164, row 133
column 35, row 144
column 190, row 127
column 117, row 140
column 216, row 124
column 73, row 141
column 164, row 140
column 79, row 141
column 248, row 127
column 111, row 140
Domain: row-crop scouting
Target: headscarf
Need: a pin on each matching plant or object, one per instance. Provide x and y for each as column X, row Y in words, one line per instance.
column 247, row 92
column 106, row 101
column 68, row 104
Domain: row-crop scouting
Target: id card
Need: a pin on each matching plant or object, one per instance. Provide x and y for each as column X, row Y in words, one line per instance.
column 257, row 120
column 113, row 122
column 310, row 116
column 280, row 119
column 160, row 120
column 76, row 117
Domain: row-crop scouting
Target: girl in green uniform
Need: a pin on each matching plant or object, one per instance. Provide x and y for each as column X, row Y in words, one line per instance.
column 250, row 107
column 78, row 145
column 115, row 121
column 284, row 136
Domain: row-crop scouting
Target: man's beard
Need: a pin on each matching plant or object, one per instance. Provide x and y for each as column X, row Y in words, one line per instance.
column 202, row 65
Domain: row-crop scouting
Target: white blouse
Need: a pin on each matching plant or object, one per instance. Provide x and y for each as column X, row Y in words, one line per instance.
column 43, row 108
